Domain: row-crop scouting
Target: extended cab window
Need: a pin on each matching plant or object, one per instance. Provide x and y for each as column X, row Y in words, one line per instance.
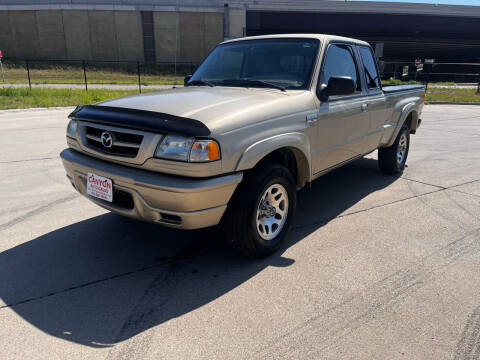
column 340, row 61
column 371, row 73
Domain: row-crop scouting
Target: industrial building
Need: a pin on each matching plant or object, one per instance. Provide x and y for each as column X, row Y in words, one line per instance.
column 186, row 30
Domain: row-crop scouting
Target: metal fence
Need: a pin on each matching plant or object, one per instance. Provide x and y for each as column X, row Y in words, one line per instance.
column 446, row 73
column 88, row 72
column 140, row 74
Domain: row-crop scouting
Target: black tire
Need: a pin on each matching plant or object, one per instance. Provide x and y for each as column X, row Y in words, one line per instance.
column 388, row 159
column 239, row 222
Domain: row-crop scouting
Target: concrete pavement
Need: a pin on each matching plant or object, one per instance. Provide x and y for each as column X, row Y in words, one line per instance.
column 376, row 267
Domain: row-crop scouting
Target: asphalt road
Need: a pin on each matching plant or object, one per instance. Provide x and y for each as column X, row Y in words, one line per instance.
column 377, row 267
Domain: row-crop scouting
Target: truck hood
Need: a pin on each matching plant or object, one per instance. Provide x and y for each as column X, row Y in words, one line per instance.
column 219, row 108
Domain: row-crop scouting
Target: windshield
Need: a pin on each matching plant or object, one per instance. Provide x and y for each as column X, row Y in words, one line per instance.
column 285, row 63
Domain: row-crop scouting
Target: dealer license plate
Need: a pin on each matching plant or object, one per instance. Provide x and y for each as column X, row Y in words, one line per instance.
column 99, row 187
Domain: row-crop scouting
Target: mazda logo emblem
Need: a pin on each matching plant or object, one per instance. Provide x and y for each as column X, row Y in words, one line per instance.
column 107, row 139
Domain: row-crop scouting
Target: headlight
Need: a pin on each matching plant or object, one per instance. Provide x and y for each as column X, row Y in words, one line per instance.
column 174, row 148
column 72, row 129
column 204, row 150
column 187, row 149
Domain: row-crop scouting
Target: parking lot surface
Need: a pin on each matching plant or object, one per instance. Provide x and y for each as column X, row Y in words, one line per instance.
column 377, row 267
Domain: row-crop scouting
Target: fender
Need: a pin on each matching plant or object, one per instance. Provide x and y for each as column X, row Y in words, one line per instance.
column 297, row 142
column 408, row 109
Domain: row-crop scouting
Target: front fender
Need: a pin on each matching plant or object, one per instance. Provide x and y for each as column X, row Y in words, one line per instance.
column 297, row 142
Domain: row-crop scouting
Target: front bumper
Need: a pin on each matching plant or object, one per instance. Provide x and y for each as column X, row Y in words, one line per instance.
column 181, row 202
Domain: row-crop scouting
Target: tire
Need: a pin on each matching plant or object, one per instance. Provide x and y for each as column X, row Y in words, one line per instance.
column 392, row 159
column 261, row 211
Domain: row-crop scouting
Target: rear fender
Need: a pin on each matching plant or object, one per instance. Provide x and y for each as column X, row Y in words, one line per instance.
column 408, row 109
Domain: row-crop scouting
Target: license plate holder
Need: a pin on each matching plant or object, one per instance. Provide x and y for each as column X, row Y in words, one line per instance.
column 99, row 187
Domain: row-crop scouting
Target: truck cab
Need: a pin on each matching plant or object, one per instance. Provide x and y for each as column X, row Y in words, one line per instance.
column 260, row 118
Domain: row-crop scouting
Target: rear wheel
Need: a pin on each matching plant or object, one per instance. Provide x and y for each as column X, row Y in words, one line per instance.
column 392, row 159
column 260, row 214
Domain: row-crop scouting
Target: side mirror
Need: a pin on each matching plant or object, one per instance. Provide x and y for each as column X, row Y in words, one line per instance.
column 337, row 85
column 186, row 79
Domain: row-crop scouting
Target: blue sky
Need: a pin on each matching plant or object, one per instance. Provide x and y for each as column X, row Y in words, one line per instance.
column 448, row 2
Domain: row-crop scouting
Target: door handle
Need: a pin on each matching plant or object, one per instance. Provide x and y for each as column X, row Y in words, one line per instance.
column 312, row 118
column 364, row 107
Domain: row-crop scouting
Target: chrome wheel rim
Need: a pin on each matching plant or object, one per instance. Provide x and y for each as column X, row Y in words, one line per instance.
column 402, row 149
column 272, row 212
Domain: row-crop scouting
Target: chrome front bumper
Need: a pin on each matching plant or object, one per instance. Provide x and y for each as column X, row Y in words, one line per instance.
column 181, row 202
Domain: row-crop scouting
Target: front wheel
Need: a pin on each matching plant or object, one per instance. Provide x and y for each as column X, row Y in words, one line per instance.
column 261, row 212
column 392, row 159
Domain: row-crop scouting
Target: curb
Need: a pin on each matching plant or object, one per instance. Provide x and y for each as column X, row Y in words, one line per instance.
column 37, row 109
column 451, row 103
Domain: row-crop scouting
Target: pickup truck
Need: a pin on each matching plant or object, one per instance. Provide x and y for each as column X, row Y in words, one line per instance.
column 261, row 118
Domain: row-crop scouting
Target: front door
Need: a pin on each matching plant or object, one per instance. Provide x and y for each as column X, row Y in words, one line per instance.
column 343, row 121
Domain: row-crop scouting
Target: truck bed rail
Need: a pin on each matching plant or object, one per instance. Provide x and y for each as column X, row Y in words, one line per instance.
column 397, row 88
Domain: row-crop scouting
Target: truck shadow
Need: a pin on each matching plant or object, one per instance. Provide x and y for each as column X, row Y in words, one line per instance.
column 103, row 280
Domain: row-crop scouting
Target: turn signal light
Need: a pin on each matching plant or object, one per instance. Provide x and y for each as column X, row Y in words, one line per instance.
column 204, row 150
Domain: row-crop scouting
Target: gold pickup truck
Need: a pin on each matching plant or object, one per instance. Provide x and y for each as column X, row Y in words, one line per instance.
column 261, row 118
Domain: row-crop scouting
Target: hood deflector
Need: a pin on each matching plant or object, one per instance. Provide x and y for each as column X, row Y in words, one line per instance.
column 140, row 119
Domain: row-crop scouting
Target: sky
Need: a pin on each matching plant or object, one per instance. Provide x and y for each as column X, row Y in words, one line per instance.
column 447, row 2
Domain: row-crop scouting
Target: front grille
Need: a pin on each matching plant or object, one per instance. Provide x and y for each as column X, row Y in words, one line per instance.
column 124, row 144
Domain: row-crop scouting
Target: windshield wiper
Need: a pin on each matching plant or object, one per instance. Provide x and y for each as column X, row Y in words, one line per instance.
column 200, row 82
column 254, row 82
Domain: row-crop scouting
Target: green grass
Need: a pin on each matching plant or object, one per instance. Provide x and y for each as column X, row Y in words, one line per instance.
column 20, row 98
column 398, row 82
column 453, row 95
column 412, row 82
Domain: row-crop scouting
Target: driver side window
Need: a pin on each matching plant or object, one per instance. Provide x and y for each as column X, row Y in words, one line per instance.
column 340, row 61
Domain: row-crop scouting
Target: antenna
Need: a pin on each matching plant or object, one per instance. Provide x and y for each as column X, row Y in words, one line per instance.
column 176, row 45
